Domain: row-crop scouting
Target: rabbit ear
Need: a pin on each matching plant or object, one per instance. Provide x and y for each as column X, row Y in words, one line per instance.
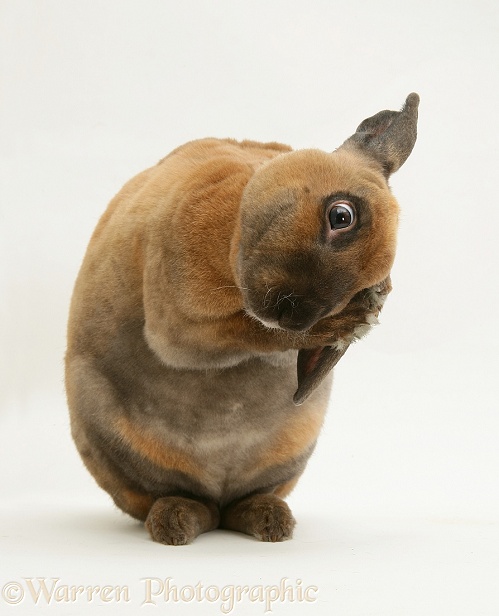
column 388, row 136
column 313, row 366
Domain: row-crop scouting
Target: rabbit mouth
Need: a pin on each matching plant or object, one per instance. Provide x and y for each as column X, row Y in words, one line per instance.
column 284, row 325
column 312, row 366
column 269, row 323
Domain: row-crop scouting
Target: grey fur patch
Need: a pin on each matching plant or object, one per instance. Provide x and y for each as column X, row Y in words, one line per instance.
column 228, row 418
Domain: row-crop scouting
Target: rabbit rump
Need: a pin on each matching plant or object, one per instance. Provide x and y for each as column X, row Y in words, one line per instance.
column 218, row 291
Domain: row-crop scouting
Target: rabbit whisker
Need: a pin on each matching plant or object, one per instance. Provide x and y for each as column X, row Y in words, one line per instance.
column 289, row 297
column 231, row 286
column 266, row 299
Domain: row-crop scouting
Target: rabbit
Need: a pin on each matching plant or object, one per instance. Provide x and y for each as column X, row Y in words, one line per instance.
column 219, row 289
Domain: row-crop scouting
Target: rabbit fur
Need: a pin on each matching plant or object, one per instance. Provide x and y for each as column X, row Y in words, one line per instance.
column 213, row 301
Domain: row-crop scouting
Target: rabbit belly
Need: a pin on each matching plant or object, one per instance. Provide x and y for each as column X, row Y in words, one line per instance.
column 146, row 431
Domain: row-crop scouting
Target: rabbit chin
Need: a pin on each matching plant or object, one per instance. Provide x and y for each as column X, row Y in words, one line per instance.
column 274, row 323
column 268, row 323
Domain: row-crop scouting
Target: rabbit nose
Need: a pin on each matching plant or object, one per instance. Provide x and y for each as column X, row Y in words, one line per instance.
column 294, row 314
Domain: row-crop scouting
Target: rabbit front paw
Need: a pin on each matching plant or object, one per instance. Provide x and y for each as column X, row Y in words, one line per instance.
column 360, row 315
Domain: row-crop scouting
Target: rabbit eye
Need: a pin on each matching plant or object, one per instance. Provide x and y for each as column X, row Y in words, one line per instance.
column 341, row 215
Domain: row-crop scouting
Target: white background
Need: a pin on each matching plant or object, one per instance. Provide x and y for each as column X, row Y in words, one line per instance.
column 398, row 511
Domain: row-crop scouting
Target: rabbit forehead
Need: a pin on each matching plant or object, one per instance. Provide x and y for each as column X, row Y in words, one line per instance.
column 290, row 193
column 317, row 172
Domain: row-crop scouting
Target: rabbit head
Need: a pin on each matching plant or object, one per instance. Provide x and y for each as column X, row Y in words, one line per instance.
column 316, row 228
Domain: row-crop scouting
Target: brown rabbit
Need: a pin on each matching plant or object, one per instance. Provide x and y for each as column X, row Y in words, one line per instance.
column 218, row 290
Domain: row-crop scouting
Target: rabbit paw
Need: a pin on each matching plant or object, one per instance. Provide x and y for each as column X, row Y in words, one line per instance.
column 174, row 520
column 265, row 516
column 375, row 296
column 360, row 315
column 274, row 522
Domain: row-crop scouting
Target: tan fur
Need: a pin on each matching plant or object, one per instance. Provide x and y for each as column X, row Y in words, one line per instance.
column 298, row 434
column 286, row 488
column 147, row 446
column 135, row 504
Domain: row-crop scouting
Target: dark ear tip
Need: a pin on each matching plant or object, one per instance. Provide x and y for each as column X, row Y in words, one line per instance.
column 299, row 398
column 411, row 102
